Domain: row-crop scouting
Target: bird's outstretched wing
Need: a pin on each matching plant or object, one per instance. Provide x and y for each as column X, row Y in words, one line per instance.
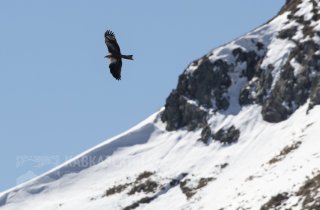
column 111, row 43
column 115, row 68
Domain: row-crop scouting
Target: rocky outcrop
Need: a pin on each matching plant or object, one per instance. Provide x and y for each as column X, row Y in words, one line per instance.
column 205, row 89
column 295, row 86
column 179, row 112
column 290, row 5
column 315, row 92
column 227, row 136
column 279, row 88
column 206, row 135
column 209, row 82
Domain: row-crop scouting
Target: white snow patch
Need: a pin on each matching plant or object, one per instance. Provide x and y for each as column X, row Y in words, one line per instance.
column 298, row 68
column 277, row 56
column 305, row 10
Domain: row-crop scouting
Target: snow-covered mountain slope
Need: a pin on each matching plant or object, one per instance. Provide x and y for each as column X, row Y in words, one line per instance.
column 240, row 131
column 172, row 170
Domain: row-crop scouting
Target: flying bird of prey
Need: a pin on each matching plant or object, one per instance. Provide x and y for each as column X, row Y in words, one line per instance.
column 114, row 56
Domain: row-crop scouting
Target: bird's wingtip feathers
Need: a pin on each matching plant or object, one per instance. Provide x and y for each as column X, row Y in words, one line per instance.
column 108, row 33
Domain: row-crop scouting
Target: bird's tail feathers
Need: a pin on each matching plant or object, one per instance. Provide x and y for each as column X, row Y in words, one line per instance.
column 128, row 57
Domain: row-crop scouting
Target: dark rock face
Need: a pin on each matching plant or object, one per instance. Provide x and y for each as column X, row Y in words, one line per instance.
column 275, row 201
column 288, row 33
column 206, row 134
column 255, row 91
column 250, row 58
column 191, row 191
column 227, row 136
column 179, row 113
column 291, row 5
column 294, row 87
column 291, row 91
column 207, row 87
column 209, row 82
column 309, row 192
column 315, row 92
column 136, row 204
column 147, row 186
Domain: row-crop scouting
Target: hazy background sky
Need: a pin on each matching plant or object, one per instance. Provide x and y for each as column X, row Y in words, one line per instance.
column 57, row 95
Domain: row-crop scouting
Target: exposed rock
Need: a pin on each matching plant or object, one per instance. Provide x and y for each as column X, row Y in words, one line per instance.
column 180, row 113
column 174, row 182
column 256, row 90
column 251, row 58
column 116, row 189
column 139, row 185
column 223, row 166
column 144, row 175
column 210, row 81
column 291, row 5
column 191, row 191
column 275, row 201
column 288, row 33
column 294, row 86
column 141, row 201
column 187, row 105
column 285, row 152
column 205, row 89
column 227, row 136
column 143, row 184
column 315, row 92
column 310, row 193
column 148, row 186
column 206, row 134
column 260, row 45
column 274, row 111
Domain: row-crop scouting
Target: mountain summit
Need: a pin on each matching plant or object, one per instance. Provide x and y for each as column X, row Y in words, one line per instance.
column 240, row 131
column 275, row 66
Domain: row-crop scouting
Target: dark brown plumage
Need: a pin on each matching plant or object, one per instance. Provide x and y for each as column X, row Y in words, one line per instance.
column 114, row 56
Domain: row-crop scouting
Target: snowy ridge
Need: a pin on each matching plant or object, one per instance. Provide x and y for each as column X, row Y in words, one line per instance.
column 230, row 157
column 138, row 134
column 274, row 66
column 264, row 41
column 245, row 167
